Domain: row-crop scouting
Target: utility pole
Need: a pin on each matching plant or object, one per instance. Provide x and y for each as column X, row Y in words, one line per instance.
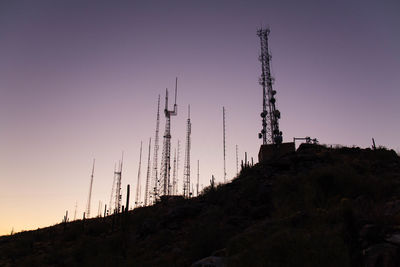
column 147, row 192
column 165, row 185
column 270, row 133
column 186, row 180
column 90, row 191
column 138, row 189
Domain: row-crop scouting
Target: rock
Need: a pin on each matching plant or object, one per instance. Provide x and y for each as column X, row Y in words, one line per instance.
column 382, row 255
column 392, row 208
column 211, row 261
column 394, row 239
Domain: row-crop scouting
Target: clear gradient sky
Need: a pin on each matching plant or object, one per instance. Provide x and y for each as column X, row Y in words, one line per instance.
column 80, row 80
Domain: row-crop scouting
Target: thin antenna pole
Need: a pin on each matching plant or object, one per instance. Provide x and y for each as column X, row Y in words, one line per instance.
column 146, row 192
column 90, row 191
column 237, row 161
column 198, row 178
column 76, row 207
column 174, row 175
column 138, row 189
column 112, row 189
column 177, row 165
column 223, row 119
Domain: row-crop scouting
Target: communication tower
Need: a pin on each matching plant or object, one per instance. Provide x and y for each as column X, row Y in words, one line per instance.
column 138, row 186
column 146, row 192
column 155, row 156
column 186, row 180
column 118, row 180
column 223, row 122
column 174, row 175
column 198, row 178
column 90, row 192
column 270, row 133
column 237, row 161
column 164, row 181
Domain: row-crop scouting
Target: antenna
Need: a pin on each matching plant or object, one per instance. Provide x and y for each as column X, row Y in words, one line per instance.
column 165, row 184
column 99, row 209
column 76, row 207
column 237, row 161
column 177, row 165
column 270, row 133
column 223, row 121
column 146, row 191
column 198, row 178
column 186, row 173
column 113, row 188
column 174, row 175
column 155, row 155
column 90, row 191
column 118, row 177
column 138, row 189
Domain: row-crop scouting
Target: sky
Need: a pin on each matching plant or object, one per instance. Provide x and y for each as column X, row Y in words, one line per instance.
column 80, row 80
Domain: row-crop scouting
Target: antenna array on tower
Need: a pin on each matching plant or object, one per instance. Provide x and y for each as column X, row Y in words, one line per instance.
column 270, row 115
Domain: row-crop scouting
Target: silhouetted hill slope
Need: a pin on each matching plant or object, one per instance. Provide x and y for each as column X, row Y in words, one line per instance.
column 315, row 207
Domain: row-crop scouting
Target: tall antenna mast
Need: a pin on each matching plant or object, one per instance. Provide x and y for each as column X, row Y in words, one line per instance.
column 186, row 179
column 138, row 188
column 198, row 178
column 118, row 177
column 237, row 161
column 146, row 192
column 270, row 133
column 178, row 153
column 112, row 197
column 90, row 192
column 223, row 119
column 155, row 155
column 76, row 207
column 174, row 175
column 165, row 184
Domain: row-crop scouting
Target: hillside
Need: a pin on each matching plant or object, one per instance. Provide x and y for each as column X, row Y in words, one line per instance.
column 316, row 207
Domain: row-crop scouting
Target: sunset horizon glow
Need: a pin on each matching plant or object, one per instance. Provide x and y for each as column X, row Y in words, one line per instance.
column 80, row 80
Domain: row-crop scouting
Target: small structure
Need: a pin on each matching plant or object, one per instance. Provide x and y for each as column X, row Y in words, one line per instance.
column 270, row 151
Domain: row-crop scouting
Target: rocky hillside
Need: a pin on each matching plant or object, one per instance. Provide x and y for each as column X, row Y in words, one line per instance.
column 316, row 207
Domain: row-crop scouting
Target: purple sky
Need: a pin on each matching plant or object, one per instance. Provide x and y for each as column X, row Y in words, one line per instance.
column 80, row 79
